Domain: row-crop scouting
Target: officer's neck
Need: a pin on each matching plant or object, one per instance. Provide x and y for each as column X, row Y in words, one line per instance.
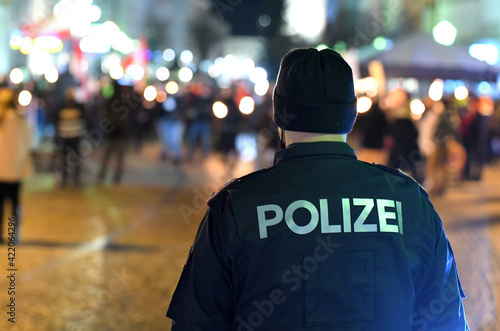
column 292, row 137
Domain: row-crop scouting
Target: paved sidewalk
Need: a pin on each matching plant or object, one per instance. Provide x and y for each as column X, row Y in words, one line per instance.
column 471, row 216
column 107, row 257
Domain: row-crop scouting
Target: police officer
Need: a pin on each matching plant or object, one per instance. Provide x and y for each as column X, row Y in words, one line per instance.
column 319, row 241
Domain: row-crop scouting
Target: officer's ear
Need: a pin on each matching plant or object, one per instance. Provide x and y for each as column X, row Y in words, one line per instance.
column 281, row 139
column 355, row 119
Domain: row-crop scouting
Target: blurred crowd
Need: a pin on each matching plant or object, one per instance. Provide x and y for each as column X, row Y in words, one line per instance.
column 450, row 141
column 70, row 123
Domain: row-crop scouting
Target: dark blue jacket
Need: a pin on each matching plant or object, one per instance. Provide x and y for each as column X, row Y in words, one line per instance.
column 320, row 241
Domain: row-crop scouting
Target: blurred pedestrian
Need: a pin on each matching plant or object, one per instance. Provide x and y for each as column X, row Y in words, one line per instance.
column 70, row 128
column 228, row 128
column 170, row 126
column 117, row 114
column 474, row 132
column 319, row 241
column 404, row 153
column 267, row 139
column 15, row 162
column 435, row 132
column 138, row 118
column 372, row 126
column 200, row 119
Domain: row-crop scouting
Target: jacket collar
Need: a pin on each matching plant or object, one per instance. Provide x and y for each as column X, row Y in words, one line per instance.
column 301, row 150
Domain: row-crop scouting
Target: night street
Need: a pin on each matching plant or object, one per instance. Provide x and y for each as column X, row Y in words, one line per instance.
column 107, row 257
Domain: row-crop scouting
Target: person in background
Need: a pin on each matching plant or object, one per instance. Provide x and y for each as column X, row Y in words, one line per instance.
column 475, row 134
column 170, row 126
column 200, row 119
column 70, row 128
column 435, row 131
column 117, row 111
column 228, row 128
column 404, row 153
column 372, row 126
column 15, row 162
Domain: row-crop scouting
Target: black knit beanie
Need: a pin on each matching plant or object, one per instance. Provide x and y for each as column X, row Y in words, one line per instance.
column 314, row 92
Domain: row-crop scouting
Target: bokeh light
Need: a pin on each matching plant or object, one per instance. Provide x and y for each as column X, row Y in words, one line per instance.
column 16, row 76
column 305, row 18
column 364, row 104
column 97, row 45
column 380, row 43
column 48, row 43
column 321, row 47
column 150, row 93
column 484, row 52
column 436, row 90
column 169, row 55
column 116, row 72
column 220, row 109
column 417, row 108
column 15, row 37
column 185, row 74
column 24, row 98
column 247, row 65
column 122, row 43
column 26, row 45
column 444, row 33
column 367, row 86
column 340, row 46
column 247, row 105
column 261, row 87
column 172, row 87
column 484, row 88
column 186, row 56
column 161, row 96
column 51, row 75
column 264, row 20
column 461, row 93
column 258, row 74
column 135, row 71
column 162, row 73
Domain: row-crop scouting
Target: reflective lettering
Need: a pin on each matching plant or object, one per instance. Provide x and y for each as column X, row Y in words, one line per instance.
column 326, row 227
column 389, row 216
column 298, row 229
column 384, row 215
column 359, row 225
column 400, row 216
column 264, row 222
column 346, row 209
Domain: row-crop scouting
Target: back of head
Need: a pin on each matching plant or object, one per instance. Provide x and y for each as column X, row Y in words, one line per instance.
column 314, row 93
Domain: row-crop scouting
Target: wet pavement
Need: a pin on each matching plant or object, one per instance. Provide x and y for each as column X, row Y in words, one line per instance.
column 107, row 257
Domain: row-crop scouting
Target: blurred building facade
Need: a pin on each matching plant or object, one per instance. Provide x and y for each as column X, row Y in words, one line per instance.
column 212, row 28
column 474, row 19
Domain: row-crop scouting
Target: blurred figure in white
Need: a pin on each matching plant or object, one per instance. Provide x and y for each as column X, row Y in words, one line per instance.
column 15, row 163
column 434, row 132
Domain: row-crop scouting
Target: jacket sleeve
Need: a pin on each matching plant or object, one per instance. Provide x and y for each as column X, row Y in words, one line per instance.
column 438, row 290
column 203, row 298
